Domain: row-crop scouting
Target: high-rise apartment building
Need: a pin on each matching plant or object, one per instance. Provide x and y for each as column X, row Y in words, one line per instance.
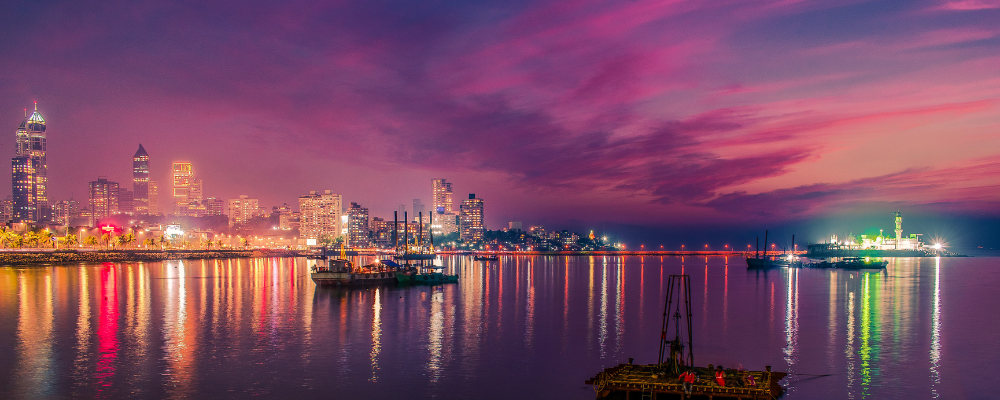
column 7, row 210
column 64, row 212
column 242, row 209
column 30, row 171
column 140, row 181
column 183, row 175
column 471, row 218
column 358, row 230
column 154, row 197
column 103, row 199
column 126, row 201
column 320, row 214
column 214, row 206
column 441, row 192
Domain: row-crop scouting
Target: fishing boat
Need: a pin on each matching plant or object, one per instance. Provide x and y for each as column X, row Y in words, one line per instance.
column 343, row 273
column 424, row 274
column 860, row 263
column 677, row 356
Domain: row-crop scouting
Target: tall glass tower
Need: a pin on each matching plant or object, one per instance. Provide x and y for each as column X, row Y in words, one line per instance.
column 29, row 171
column 140, row 181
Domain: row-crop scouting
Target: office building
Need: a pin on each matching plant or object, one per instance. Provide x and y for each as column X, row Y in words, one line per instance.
column 125, row 201
column 103, row 199
column 320, row 214
column 471, row 219
column 183, row 175
column 64, row 212
column 358, row 230
column 242, row 210
column 29, row 171
column 140, row 181
column 154, row 197
column 441, row 192
column 418, row 207
column 214, row 206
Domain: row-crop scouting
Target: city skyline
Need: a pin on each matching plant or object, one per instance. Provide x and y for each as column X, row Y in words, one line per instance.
column 650, row 126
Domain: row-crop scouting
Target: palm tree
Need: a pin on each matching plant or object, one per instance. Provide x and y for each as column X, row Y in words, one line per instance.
column 70, row 240
column 44, row 238
column 106, row 239
column 149, row 242
column 30, row 239
column 128, row 238
column 7, row 237
column 209, row 243
column 91, row 241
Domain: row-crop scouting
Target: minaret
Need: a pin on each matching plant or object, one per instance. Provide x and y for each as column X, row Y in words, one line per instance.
column 140, row 181
column 30, row 170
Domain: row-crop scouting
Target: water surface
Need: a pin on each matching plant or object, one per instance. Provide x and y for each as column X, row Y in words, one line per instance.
column 528, row 327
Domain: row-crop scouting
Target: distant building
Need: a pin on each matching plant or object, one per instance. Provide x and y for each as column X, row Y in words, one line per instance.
column 103, row 199
column 140, row 181
column 514, row 225
column 444, row 224
column 64, row 212
column 182, row 179
column 471, row 218
column 381, row 232
column 358, row 230
column 214, row 206
column 154, row 198
column 126, row 201
column 441, row 192
column 284, row 208
column 241, row 210
column 29, row 172
column 418, row 207
column 7, row 210
column 289, row 221
column 320, row 214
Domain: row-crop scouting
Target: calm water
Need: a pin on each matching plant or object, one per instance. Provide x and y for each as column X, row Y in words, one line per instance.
column 528, row 327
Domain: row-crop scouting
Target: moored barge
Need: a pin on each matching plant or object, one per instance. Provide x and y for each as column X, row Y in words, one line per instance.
column 344, row 273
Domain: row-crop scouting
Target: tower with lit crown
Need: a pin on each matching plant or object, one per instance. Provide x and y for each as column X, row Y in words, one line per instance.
column 140, row 181
column 29, row 173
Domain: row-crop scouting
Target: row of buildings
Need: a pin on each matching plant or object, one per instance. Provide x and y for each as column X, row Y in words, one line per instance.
column 320, row 214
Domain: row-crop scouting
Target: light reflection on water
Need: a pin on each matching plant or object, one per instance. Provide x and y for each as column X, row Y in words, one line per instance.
column 259, row 327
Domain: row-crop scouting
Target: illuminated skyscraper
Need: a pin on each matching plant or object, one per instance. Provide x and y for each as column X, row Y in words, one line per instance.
column 471, row 218
column 358, row 231
column 140, row 181
column 320, row 214
column 30, row 170
column 183, row 176
column 103, row 199
column 441, row 196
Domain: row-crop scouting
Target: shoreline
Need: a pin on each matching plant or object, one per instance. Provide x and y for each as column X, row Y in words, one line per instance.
column 54, row 257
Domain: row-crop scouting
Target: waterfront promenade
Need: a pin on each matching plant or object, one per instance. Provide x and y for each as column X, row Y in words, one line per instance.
column 46, row 257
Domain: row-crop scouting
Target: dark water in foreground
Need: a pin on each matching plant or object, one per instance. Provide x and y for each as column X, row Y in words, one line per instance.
column 531, row 327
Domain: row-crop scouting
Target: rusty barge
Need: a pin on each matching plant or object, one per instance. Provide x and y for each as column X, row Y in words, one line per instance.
column 675, row 374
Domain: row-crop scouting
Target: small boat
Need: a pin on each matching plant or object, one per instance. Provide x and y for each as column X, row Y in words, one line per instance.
column 491, row 257
column 860, row 263
column 343, row 273
column 773, row 262
column 412, row 274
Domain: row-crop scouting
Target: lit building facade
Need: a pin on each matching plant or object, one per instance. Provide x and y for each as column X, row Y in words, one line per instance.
column 442, row 196
column 29, row 179
column 154, row 197
column 183, row 175
column 103, row 199
column 214, row 206
column 320, row 214
column 242, row 210
column 140, row 181
column 358, row 229
column 64, row 212
column 471, row 218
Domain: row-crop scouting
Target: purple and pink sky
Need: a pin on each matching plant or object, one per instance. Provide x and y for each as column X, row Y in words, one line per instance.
column 649, row 114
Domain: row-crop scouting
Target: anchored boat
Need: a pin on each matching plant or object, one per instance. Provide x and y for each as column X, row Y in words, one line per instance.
column 664, row 377
column 344, row 273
